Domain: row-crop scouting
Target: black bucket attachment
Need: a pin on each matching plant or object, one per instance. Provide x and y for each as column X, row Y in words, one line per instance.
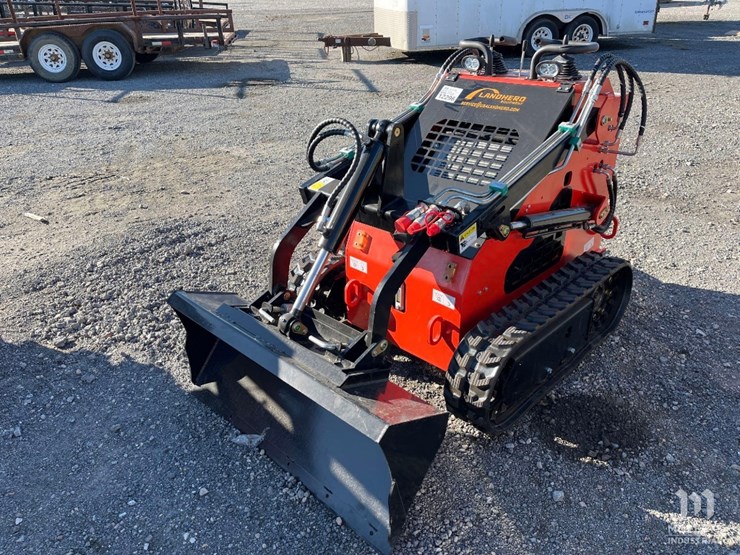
column 363, row 450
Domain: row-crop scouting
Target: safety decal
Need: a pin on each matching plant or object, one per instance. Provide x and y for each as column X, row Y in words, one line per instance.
column 468, row 237
column 321, row 183
column 442, row 298
column 357, row 264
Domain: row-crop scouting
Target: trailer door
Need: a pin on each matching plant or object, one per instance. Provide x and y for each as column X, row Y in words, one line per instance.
column 443, row 30
column 470, row 19
column 638, row 16
column 496, row 15
column 444, row 24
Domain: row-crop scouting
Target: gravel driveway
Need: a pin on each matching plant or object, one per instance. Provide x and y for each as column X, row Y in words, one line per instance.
column 183, row 175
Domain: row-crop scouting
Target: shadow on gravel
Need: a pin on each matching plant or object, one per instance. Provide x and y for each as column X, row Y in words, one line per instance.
column 99, row 456
column 692, row 48
column 164, row 74
column 578, row 423
column 615, row 400
column 81, row 437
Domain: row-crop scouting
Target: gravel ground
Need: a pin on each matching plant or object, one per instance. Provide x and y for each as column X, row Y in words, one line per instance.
column 183, row 174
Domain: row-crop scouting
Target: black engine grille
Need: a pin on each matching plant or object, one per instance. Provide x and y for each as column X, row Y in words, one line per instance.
column 465, row 152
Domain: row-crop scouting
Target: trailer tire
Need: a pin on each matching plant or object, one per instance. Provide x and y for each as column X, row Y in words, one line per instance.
column 54, row 57
column 583, row 29
column 146, row 57
column 108, row 54
column 542, row 27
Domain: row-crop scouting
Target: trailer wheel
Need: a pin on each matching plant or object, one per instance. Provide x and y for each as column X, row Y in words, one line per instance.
column 583, row 29
column 540, row 28
column 108, row 55
column 146, row 57
column 54, row 57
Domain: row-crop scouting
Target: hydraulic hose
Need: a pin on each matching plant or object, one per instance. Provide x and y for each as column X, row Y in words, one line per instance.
column 317, row 136
column 327, row 163
column 626, row 71
column 612, row 187
column 634, row 76
column 623, row 91
column 589, row 83
column 448, row 64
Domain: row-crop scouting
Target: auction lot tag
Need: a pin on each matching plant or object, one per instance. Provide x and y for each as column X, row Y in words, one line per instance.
column 449, row 94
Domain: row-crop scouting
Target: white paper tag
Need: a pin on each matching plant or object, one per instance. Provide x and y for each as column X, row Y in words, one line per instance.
column 443, row 299
column 588, row 246
column 357, row 264
column 449, row 94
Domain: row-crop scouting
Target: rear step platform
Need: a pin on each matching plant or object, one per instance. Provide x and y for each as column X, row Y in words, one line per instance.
column 362, row 450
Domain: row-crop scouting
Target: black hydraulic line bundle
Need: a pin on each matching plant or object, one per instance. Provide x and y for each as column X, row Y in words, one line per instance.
column 629, row 81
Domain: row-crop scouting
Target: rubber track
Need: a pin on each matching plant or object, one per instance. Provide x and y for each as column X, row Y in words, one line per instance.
column 485, row 351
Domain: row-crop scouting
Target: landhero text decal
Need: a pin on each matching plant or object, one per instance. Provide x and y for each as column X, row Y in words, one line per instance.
column 493, row 99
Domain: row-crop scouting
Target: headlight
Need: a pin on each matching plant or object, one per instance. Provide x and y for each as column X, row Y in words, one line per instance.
column 472, row 64
column 548, row 70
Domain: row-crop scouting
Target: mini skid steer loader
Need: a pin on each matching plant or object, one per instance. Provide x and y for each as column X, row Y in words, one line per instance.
column 467, row 232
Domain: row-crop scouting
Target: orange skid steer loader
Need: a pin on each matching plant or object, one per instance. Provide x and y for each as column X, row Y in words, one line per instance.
column 468, row 232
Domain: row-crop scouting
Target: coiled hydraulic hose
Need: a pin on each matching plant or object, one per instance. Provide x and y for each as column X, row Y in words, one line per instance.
column 318, row 135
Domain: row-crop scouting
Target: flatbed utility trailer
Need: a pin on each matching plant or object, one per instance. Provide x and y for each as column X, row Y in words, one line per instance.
column 110, row 36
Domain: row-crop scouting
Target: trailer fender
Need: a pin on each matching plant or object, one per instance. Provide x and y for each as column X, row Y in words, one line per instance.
column 562, row 18
column 30, row 34
column 122, row 28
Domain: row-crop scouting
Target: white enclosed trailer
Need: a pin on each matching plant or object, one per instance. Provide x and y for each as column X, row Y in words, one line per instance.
column 435, row 24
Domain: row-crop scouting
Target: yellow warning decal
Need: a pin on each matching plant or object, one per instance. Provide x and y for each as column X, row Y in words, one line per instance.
column 468, row 237
column 321, row 183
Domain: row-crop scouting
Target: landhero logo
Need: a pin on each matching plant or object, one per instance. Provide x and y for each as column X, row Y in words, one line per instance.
column 493, row 99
